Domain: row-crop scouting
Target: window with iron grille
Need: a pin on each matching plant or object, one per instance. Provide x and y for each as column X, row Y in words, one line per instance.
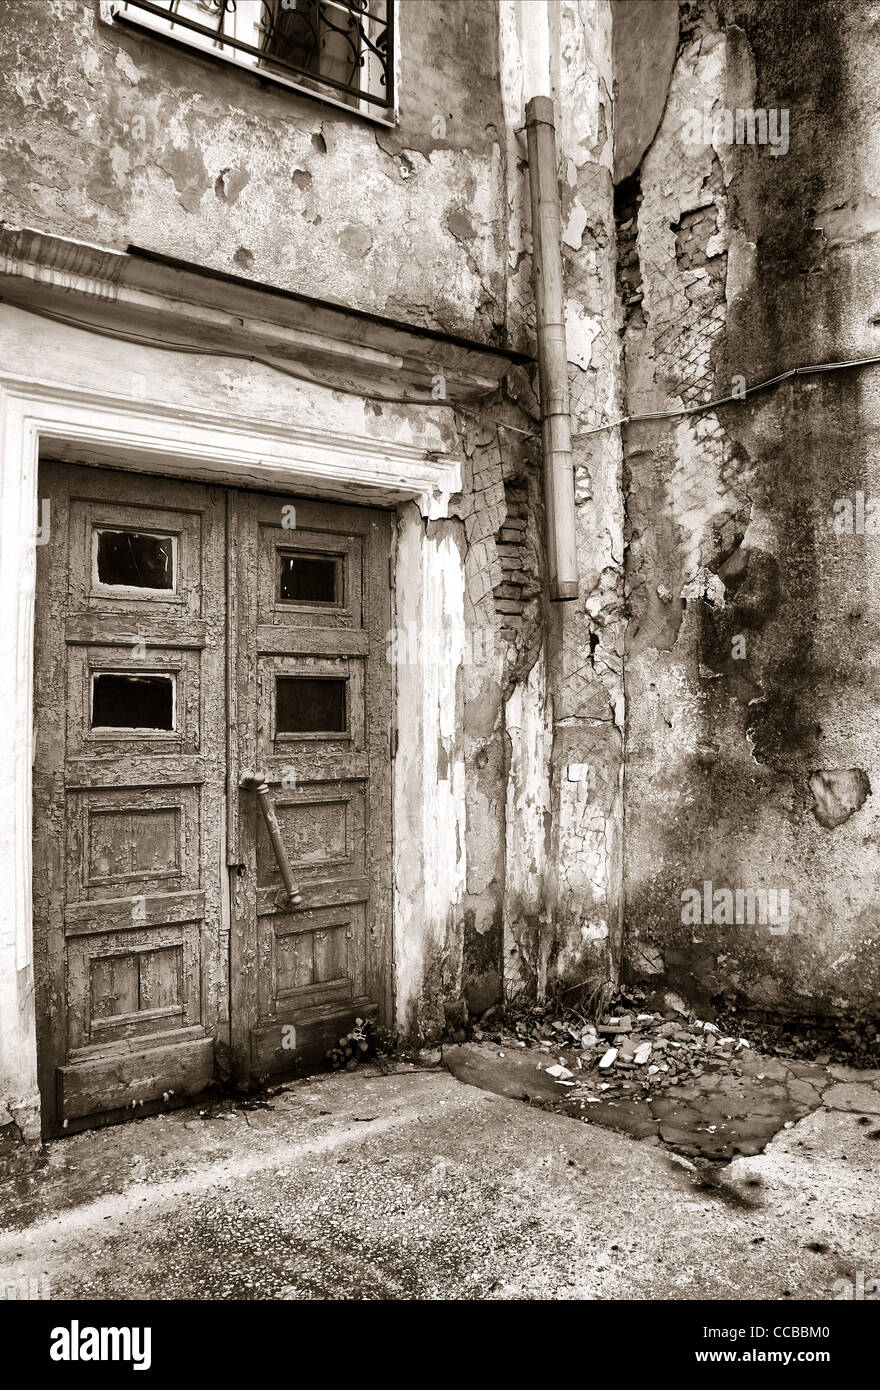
column 339, row 50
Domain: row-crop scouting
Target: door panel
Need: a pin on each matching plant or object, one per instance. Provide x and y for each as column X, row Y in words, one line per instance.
column 313, row 691
column 128, row 790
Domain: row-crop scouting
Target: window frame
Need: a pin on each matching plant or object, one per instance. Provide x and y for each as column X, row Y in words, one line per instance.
column 102, row 588
column 156, row 22
column 339, row 559
column 133, row 732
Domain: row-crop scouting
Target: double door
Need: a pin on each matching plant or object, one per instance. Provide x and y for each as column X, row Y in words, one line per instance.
column 192, row 644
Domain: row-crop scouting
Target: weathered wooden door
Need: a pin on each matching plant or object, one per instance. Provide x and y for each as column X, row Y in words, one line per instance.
column 128, row 784
column 185, row 634
column 313, row 691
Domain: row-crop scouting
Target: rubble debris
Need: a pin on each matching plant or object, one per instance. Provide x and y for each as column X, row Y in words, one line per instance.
column 634, row 1052
column 700, row 1087
column 559, row 1073
column 852, row 1041
column 644, row 1053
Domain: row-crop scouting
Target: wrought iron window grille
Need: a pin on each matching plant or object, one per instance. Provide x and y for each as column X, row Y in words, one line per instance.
column 341, row 49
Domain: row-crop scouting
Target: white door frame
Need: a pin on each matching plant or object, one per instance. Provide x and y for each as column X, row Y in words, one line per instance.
column 74, row 424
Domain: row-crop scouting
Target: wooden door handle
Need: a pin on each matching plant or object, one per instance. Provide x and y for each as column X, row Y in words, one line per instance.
column 257, row 783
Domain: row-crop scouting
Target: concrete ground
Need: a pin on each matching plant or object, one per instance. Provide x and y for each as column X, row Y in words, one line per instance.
column 413, row 1185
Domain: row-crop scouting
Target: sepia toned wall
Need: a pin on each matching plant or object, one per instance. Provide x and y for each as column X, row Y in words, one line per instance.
column 117, row 138
column 752, row 737
column 706, row 710
column 507, row 808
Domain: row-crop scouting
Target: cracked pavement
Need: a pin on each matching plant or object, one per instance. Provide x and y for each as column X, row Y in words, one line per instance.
column 720, row 1114
column 414, row 1185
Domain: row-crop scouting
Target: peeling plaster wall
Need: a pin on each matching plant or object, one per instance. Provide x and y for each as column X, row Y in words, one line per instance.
column 564, row 707
column 752, row 742
column 119, row 139
column 527, row 921
column 513, row 879
column 585, row 642
column 429, row 773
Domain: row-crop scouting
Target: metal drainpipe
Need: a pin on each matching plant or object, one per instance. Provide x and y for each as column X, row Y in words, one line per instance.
column 552, row 353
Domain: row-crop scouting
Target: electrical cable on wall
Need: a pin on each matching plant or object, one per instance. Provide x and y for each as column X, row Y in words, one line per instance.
column 727, row 400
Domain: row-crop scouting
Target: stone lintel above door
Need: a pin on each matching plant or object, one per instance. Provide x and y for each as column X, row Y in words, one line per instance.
column 316, row 340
